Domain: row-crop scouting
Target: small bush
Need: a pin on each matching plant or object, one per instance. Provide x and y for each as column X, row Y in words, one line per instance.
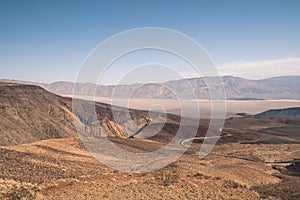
column 21, row 193
column 232, row 184
column 167, row 179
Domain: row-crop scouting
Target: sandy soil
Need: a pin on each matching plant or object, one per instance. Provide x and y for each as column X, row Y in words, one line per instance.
column 63, row 169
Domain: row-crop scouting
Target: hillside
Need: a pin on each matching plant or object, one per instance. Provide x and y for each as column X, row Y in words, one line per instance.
column 285, row 87
column 29, row 113
column 286, row 112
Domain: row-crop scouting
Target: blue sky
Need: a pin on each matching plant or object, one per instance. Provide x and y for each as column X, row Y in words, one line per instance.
column 48, row 40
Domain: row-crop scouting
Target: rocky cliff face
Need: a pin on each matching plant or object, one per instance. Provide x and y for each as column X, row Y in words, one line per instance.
column 100, row 119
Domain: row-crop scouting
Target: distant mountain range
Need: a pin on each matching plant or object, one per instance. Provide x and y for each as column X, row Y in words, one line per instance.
column 285, row 87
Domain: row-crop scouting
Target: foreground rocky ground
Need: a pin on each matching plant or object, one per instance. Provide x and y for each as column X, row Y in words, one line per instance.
column 63, row 169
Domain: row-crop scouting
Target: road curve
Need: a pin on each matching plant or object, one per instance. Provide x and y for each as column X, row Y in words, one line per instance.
column 181, row 142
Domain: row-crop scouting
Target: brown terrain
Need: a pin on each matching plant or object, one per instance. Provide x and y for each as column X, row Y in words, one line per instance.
column 42, row 156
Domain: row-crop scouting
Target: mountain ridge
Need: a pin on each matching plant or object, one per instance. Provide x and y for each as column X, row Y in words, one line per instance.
column 282, row 87
column 284, row 112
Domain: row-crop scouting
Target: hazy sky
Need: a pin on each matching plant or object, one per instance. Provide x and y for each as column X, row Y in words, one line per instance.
column 48, row 40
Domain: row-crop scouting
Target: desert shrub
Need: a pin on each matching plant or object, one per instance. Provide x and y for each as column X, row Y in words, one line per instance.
column 22, row 193
column 232, row 184
column 197, row 175
column 168, row 178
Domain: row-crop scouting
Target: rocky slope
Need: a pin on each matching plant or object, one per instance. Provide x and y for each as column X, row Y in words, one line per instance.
column 286, row 112
column 29, row 113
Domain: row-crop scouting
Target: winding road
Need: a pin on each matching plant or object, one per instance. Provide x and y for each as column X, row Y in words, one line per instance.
column 181, row 142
